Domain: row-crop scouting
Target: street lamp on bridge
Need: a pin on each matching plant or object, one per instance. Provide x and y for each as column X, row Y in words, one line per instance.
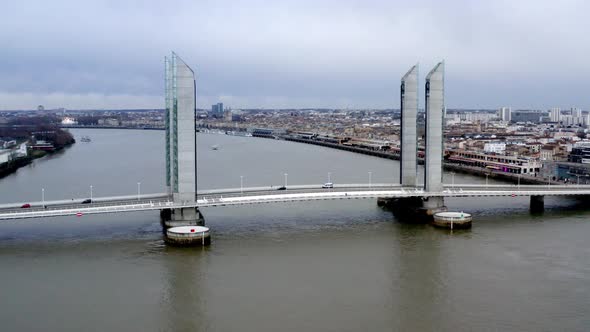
column 241, row 184
column 453, row 179
column 90, row 192
column 286, row 180
column 138, row 190
column 43, row 196
column 329, row 177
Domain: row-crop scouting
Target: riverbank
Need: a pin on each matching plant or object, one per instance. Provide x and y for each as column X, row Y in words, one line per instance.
column 109, row 127
column 451, row 167
column 12, row 166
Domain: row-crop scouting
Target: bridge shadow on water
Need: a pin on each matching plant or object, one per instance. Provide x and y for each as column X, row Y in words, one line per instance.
column 507, row 210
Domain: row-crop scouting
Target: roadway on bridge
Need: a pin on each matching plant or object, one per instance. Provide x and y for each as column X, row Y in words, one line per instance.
column 255, row 195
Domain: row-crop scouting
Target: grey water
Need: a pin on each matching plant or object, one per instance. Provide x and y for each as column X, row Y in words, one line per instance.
column 340, row 265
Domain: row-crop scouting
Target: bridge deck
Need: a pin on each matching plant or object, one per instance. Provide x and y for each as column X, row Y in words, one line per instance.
column 255, row 195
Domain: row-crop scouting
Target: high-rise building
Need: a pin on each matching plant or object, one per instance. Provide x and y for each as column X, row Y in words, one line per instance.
column 527, row 116
column 506, row 114
column 180, row 130
column 555, row 114
column 409, row 112
column 217, row 110
column 576, row 112
column 220, row 109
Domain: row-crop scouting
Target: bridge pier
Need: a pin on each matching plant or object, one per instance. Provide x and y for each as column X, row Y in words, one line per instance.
column 184, row 227
column 413, row 209
column 431, row 206
column 537, row 204
column 181, row 217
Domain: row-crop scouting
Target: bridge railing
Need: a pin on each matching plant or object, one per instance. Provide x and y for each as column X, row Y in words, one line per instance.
column 80, row 200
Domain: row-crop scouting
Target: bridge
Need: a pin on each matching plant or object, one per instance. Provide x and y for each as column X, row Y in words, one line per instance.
column 180, row 204
column 259, row 195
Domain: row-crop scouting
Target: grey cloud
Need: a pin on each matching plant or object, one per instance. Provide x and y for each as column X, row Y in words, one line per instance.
column 295, row 53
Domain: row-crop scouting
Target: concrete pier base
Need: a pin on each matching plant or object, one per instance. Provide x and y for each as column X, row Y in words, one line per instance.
column 188, row 236
column 413, row 209
column 452, row 220
column 537, row 204
column 184, row 227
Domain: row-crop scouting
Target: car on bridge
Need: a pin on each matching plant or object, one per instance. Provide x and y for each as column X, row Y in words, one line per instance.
column 328, row 185
column 87, row 201
column 282, row 188
column 25, row 206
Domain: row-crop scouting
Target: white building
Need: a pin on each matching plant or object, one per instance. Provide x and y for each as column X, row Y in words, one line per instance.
column 505, row 114
column 68, row 121
column 475, row 117
column 494, row 147
column 555, row 114
column 576, row 112
column 547, row 153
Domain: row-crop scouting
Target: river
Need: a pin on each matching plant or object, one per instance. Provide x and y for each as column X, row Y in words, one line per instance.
column 340, row 265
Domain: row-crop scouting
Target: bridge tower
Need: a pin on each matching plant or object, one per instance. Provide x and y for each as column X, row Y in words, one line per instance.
column 409, row 113
column 181, row 139
column 433, row 159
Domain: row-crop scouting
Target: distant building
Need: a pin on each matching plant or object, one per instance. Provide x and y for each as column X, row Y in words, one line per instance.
column 227, row 115
column 548, row 152
column 580, row 153
column 494, row 147
column 506, row 114
column 236, row 116
column 217, row 110
column 526, row 116
column 40, row 108
column 566, row 171
column 263, row 132
column 113, row 122
column 576, row 112
column 555, row 114
column 68, row 121
column 569, row 120
column 508, row 164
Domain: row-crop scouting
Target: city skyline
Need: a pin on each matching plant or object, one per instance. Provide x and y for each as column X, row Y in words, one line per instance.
column 294, row 54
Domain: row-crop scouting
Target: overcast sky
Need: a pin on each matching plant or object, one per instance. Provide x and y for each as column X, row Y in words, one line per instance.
column 294, row 53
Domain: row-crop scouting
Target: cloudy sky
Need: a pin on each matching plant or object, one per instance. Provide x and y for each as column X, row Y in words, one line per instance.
column 294, row 53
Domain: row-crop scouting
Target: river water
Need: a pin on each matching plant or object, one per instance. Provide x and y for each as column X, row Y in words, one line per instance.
column 307, row 266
